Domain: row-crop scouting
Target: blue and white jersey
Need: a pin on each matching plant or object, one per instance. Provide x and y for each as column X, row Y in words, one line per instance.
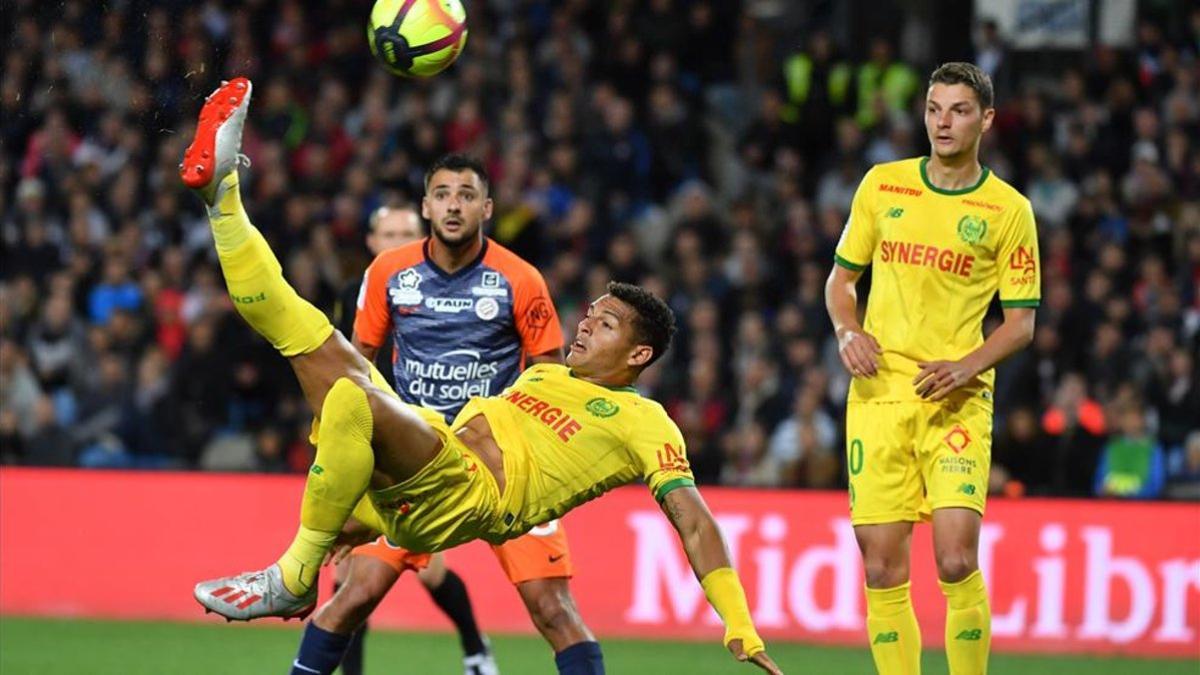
column 457, row 335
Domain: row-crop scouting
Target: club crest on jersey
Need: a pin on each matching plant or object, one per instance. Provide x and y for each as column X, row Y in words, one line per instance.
column 972, row 229
column 490, row 284
column 408, row 289
column 487, row 309
column 602, row 407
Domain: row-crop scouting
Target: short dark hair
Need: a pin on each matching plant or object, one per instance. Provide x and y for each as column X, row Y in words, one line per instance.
column 457, row 161
column 654, row 322
column 961, row 72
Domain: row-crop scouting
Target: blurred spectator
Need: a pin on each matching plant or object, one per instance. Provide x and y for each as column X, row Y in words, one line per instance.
column 115, row 291
column 19, row 390
column 1076, row 426
column 101, row 408
column 701, row 416
column 818, row 90
column 1183, row 469
column 12, row 445
column 885, row 85
column 1022, row 456
column 747, row 463
column 1132, row 463
column 802, row 445
column 57, row 347
column 50, row 444
column 1177, row 397
column 269, row 451
column 991, row 55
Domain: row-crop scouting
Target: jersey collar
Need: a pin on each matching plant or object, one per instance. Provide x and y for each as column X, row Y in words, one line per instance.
column 983, row 175
column 466, row 268
column 627, row 388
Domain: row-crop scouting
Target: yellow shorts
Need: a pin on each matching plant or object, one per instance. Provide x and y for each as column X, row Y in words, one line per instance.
column 452, row 500
column 906, row 459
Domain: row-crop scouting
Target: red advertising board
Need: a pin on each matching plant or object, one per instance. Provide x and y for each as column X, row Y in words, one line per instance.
column 1069, row 576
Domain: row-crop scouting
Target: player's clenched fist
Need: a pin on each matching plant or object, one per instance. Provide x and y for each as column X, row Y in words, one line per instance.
column 759, row 659
column 859, row 352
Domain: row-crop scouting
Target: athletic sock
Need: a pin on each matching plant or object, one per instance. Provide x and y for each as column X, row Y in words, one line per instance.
column 339, row 477
column 227, row 216
column 352, row 655
column 968, row 625
column 583, row 658
column 893, row 631
column 255, row 280
column 320, row 651
column 451, row 597
column 352, row 662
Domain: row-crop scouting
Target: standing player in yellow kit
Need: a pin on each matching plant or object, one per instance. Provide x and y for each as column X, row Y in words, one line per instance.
column 943, row 236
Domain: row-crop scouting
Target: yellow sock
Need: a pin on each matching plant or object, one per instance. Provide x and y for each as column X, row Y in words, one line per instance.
column 893, row 631
column 255, row 280
column 336, row 482
column 968, row 625
column 230, row 224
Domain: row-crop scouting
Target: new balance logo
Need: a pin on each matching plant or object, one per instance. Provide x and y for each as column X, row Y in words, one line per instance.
column 974, row 635
column 895, row 212
column 884, row 638
column 248, row 299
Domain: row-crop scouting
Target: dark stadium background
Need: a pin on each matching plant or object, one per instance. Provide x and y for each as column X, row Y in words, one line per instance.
column 672, row 143
column 660, row 148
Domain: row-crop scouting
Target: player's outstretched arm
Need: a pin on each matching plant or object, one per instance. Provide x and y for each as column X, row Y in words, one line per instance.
column 706, row 551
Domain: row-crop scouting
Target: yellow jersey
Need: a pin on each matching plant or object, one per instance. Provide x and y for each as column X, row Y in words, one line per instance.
column 566, row 441
column 938, row 257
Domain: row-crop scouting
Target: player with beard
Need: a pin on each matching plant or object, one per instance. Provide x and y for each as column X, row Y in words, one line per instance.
column 459, row 315
column 389, row 227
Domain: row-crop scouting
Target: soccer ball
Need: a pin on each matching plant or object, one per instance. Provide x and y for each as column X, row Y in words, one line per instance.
column 417, row 38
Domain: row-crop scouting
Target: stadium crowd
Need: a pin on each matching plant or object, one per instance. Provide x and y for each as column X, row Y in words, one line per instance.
column 633, row 141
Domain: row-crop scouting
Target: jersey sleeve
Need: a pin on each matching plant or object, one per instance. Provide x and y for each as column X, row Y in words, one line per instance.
column 1018, row 262
column 533, row 312
column 857, row 245
column 658, row 447
column 373, row 318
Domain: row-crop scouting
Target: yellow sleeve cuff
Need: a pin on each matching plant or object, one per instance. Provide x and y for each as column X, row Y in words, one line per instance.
column 724, row 592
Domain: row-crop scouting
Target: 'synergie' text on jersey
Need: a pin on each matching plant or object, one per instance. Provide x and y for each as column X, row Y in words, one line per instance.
column 566, row 441
column 937, row 259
